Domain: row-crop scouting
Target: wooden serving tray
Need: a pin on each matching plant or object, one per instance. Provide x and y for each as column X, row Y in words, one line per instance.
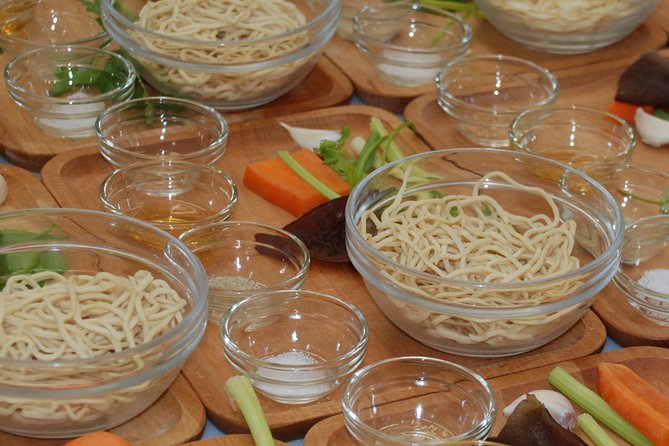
column 591, row 86
column 649, row 362
column 230, row 440
column 24, row 190
column 486, row 40
column 26, row 145
column 175, row 418
column 75, row 176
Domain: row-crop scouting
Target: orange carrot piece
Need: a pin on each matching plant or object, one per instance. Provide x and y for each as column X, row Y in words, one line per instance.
column 645, row 407
column 277, row 183
column 625, row 110
column 102, row 438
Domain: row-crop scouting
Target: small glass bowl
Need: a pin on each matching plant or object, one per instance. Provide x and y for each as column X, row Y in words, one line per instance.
column 640, row 191
column 243, row 258
column 161, row 128
column 643, row 276
column 172, row 195
column 33, row 79
column 296, row 346
column 566, row 27
column 407, row 43
column 573, row 135
column 416, row 401
column 485, row 93
column 29, row 24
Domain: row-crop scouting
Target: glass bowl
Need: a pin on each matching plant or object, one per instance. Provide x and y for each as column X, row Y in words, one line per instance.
column 29, row 24
column 483, row 94
column 415, row 401
column 40, row 82
column 498, row 266
column 161, row 128
column 408, row 43
column 566, row 27
column 572, row 134
column 172, row 195
column 643, row 276
column 640, row 191
column 119, row 359
column 220, row 63
column 296, row 346
column 243, row 258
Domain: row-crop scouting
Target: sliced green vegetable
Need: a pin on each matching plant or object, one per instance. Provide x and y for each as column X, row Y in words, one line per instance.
column 241, row 393
column 595, row 405
column 594, row 431
column 662, row 114
column 663, row 203
column 307, row 176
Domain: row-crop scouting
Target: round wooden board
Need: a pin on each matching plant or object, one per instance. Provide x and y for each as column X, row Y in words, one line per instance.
column 649, row 362
column 24, row 190
column 230, row 440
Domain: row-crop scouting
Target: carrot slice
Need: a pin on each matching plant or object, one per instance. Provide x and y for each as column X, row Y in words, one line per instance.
column 277, row 183
column 626, row 110
column 645, row 407
column 102, row 438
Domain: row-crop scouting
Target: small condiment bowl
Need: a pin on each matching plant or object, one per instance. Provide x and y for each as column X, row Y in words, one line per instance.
column 29, row 24
column 417, row 401
column 155, row 128
column 243, row 258
column 35, row 78
column 296, row 346
column 172, row 195
column 640, row 191
column 483, row 94
column 643, row 276
column 407, row 43
column 574, row 135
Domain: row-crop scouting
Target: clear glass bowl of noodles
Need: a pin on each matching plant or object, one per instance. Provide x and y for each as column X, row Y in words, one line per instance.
column 225, row 54
column 91, row 351
column 478, row 263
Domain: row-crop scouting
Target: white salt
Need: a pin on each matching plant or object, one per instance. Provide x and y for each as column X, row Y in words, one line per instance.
column 656, row 280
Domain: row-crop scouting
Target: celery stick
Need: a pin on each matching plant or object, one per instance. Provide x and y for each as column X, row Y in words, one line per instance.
column 307, row 176
column 595, row 405
column 240, row 390
column 594, row 431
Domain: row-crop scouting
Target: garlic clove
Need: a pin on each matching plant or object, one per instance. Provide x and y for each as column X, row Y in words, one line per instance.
column 3, row 189
column 653, row 131
column 310, row 138
column 556, row 403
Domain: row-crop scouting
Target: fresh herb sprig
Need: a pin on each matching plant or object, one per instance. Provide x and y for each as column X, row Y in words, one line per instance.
column 105, row 79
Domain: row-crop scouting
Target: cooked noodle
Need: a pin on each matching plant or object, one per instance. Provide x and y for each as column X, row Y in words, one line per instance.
column 472, row 238
column 47, row 316
column 239, row 26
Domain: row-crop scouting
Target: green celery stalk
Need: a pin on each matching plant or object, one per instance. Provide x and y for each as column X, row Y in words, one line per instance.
column 240, row 390
column 595, row 405
column 307, row 176
column 594, row 431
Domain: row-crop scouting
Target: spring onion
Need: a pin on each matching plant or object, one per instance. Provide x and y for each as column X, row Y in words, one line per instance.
column 307, row 176
column 595, row 405
column 594, row 431
column 242, row 396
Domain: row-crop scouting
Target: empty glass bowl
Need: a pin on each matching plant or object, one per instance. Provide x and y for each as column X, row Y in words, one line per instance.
column 413, row 401
column 155, row 128
column 407, row 43
column 295, row 346
column 483, row 94
column 243, row 258
column 57, row 85
column 643, row 276
column 572, row 134
column 172, row 195
column 29, row 24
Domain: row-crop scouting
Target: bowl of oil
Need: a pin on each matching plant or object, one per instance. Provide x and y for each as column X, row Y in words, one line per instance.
column 172, row 195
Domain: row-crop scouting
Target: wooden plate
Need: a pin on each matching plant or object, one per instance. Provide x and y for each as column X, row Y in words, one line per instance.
column 230, row 440
column 74, row 178
column 24, row 190
column 649, row 362
column 486, row 40
column 661, row 14
column 175, row 418
column 592, row 86
column 25, row 145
